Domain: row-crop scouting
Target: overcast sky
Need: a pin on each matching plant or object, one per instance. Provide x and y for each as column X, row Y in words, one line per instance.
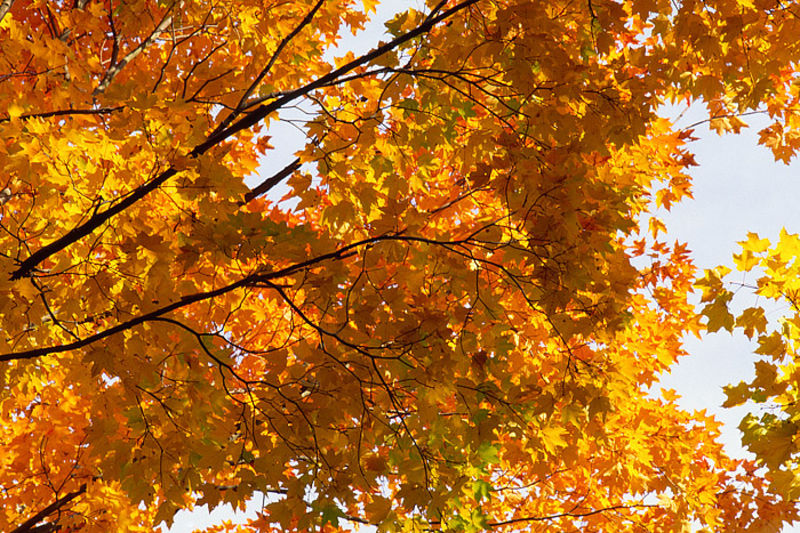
column 738, row 188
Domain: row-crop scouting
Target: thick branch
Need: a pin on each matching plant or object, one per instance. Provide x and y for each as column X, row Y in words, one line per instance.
column 98, row 219
column 284, row 42
column 247, row 281
column 29, row 526
column 95, row 221
column 267, row 185
column 262, row 111
column 218, row 136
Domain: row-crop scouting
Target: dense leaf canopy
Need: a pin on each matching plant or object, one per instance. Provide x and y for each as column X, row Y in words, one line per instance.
column 453, row 318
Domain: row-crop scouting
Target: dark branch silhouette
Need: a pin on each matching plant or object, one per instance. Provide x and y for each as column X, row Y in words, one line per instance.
column 248, row 281
column 29, row 526
column 267, row 185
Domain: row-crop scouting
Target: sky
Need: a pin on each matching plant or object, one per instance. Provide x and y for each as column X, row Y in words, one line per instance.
column 738, row 188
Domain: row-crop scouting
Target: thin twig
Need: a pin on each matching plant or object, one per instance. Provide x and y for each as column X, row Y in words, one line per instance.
column 117, row 66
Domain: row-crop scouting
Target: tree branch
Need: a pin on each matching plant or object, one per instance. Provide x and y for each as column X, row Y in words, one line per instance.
column 284, row 42
column 68, row 112
column 29, row 526
column 262, row 111
column 266, row 185
column 95, row 221
column 247, row 281
column 568, row 514
column 116, row 67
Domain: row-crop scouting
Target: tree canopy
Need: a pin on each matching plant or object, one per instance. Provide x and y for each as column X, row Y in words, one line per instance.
column 454, row 317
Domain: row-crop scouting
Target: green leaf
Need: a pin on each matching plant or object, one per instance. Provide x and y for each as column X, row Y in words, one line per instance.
column 488, row 453
column 481, row 489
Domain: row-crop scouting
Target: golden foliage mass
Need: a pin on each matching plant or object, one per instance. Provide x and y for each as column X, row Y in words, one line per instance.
column 451, row 320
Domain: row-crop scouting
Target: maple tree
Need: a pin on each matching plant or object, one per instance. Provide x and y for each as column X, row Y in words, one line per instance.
column 451, row 320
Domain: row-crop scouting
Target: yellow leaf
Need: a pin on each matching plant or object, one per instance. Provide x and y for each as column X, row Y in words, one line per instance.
column 755, row 244
column 553, row 438
column 15, row 111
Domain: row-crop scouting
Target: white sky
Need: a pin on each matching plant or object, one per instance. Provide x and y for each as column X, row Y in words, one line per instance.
column 738, row 188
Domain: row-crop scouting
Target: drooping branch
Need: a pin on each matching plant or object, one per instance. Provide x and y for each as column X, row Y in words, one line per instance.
column 141, row 319
column 29, row 526
column 219, row 135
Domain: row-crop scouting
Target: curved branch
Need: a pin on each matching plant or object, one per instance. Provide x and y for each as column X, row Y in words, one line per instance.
column 141, row 319
column 247, row 281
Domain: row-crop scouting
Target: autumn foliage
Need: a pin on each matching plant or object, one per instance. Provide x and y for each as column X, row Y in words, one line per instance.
column 450, row 317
